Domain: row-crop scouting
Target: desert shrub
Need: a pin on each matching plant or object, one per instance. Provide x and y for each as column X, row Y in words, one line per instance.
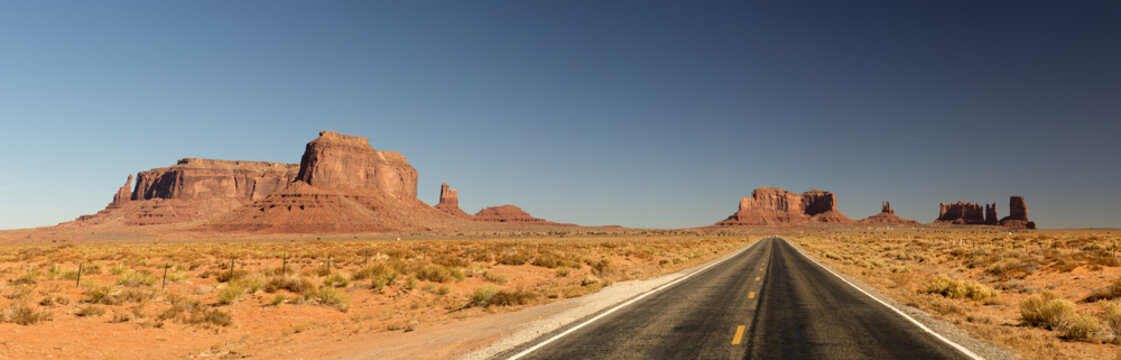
column 118, row 269
column 513, row 258
column 136, row 278
column 1109, row 292
column 506, row 298
column 175, row 276
column 336, row 280
column 1084, row 327
column 482, row 296
column 961, row 289
column 436, row 273
column 451, row 261
column 25, row 314
column 70, row 275
column 91, row 310
column 589, row 280
column 27, row 278
column 227, row 276
column 231, row 293
column 494, row 278
column 295, row 284
column 1047, row 310
column 333, row 297
column 1011, row 268
column 136, row 295
column 563, row 271
column 411, row 283
column 549, row 260
column 102, row 294
column 1110, row 315
column 603, row 267
column 211, row 317
column 443, row 290
column 278, row 299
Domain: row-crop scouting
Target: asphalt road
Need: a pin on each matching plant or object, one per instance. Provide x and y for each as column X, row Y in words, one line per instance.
column 768, row 302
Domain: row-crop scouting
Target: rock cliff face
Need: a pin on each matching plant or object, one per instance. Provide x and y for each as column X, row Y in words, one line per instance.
column 193, row 189
column 1017, row 214
column 206, row 178
column 772, row 206
column 887, row 217
column 449, row 201
column 348, row 163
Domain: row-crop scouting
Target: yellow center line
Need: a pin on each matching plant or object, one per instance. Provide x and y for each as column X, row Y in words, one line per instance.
column 739, row 335
column 751, row 295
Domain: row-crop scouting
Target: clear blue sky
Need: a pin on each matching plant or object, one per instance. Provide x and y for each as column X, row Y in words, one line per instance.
column 639, row 113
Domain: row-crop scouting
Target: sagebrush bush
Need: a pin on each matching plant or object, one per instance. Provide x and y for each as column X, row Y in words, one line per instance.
column 333, row 297
column 494, row 278
column 435, row 273
column 136, row 278
column 295, row 284
column 961, row 289
column 1085, row 327
column 507, row 298
column 231, row 293
column 1047, row 310
column 336, row 280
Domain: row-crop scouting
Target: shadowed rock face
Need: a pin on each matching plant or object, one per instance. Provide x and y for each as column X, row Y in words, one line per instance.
column 346, row 162
column 770, row 206
column 968, row 213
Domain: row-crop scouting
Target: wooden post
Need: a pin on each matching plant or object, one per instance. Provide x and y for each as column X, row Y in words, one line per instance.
column 231, row 269
column 78, row 281
column 284, row 264
column 164, row 283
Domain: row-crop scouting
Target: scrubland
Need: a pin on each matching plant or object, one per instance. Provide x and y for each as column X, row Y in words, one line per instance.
column 226, row 299
column 1042, row 294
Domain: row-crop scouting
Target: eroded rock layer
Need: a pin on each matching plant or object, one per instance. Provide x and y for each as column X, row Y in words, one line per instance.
column 348, row 163
column 510, row 214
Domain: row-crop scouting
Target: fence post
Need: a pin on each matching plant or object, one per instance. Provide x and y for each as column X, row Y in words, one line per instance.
column 78, row 281
column 164, row 283
column 231, row 269
column 284, row 265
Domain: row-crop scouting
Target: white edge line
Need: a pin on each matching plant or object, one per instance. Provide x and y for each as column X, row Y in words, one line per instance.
column 628, row 302
column 955, row 345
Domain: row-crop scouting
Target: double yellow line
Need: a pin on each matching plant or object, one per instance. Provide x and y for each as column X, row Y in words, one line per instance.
column 739, row 329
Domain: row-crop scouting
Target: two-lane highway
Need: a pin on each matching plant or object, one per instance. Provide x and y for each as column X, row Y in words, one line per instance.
column 768, row 302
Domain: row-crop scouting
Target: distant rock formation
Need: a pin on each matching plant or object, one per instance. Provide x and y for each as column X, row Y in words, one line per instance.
column 1017, row 214
column 967, row 213
column 192, row 189
column 449, row 201
column 772, row 206
column 887, row 217
column 960, row 212
column 511, row 214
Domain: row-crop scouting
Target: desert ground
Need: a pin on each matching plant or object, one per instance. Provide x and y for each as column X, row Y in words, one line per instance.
column 1042, row 294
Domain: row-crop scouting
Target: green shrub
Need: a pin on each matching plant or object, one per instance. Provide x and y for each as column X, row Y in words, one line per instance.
column 102, row 294
column 91, row 310
column 334, row 297
column 515, row 258
column 278, row 299
column 295, row 284
column 1047, row 310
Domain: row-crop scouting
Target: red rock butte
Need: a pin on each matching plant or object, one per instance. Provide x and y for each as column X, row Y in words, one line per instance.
column 340, row 185
column 967, row 213
column 774, row 206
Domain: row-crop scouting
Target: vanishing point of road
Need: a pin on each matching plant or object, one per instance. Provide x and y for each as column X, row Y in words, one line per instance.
column 767, row 302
